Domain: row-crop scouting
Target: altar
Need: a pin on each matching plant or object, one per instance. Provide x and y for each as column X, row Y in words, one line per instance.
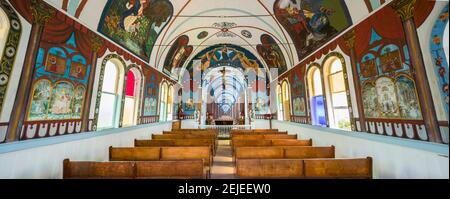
column 224, row 120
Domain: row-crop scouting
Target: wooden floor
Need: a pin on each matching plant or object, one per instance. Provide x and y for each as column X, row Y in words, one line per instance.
column 223, row 166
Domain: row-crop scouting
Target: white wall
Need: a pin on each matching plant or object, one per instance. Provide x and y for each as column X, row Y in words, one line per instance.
column 43, row 158
column 393, row 158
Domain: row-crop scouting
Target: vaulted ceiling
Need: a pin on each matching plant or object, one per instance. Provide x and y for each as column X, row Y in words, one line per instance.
column 211, row 22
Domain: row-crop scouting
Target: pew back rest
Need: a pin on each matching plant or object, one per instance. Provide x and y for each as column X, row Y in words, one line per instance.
column 188, row 169
column 153, row 143
column 181, row 136
column 176, row 142
column 109, row 170
column 134, row 154
column 268, row 136
column 183, row 153
column 306, row 152
column 259, row 152
column 291, row 142
column 244, row 143
column 269, row 168
column 339, row 168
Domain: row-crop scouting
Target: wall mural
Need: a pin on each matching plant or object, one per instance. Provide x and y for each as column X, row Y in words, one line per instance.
column 438, row 55
column 9, row 52
column 202, row 35
column 135, row 24
column 311, row 23
column 178, row 54
column 298, row 93
column 151, row 96
column 388, row 90
column 271, row 53
column 60, row 81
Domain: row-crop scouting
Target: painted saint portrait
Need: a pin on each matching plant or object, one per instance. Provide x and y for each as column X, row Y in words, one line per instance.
column 40, row 100
column 56, row 61
column 60, row 106
column 387, row 98
column 78, row 67
column 177, row 55
column 78, row 101
column 150, row 107
column 271, row 53
column 368, row 66
column 390, row 59
column 407, row 97
column 370, row 101
column 135, row 24
column 311, row 23
column 299, row 106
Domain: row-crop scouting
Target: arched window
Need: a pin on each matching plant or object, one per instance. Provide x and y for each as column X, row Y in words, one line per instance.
column 280, row 103
column 318, row 116
column 338, row 112
column 109, row 111
column 132, row 96
column 286, row 101
column 4, row 29
column 163, row 102
column 170, row 103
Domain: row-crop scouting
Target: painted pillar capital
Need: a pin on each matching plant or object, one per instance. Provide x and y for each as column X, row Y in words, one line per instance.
column 96, row 42
column 41, row 12
column 349, row 39
column 404, row 8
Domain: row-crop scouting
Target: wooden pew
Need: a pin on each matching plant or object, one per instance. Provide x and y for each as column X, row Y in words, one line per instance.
column 258, row 133
column 284, row 152
column 134, row 154
column 185, row 137
column 268, row 136
column 187, row 153
column 98, row 170
column 184, row 169
column 306, row 152
column 177, row 143
column 269, row 168
column 212, row 134
column 305, row 168
column 163, row 154
column 273, row 142
column 253, row 130
column 339, row 168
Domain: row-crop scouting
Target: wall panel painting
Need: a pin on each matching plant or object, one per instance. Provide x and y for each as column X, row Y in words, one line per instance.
column 407, row 98
column 387, row 98
column 298, row 93
column 56, row 61
column 40, row 100
column 151, row 99
column 61, row 101
column 311, row 23
column 135, row 24
column 390, row 59
column 78, row 101
column 370, row 101
column 78, row 67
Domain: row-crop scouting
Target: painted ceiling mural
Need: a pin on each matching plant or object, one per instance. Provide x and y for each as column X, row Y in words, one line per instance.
column 271, row 53
column 226, row 55
column 135, row 24
column 311, row 23
column 178, row 54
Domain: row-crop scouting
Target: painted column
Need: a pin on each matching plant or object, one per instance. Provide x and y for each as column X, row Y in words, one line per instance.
column 95, row 45
column 405, row 9
column 41, row 13
column 350, row 42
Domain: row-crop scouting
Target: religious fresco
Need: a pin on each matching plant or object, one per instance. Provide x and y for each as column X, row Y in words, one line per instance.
column 271, row 53
column 60, row 80
column 311, row 23
column 135, row 24
column 407, row 98
column 370, row 101
column 298, row 93
column 178, row 54
column 40, row 100
column 61, row 101
column 151, row 92
column 387, row 100
column 226, row 55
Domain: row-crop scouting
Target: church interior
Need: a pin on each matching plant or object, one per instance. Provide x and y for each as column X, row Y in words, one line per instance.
column 224, row 89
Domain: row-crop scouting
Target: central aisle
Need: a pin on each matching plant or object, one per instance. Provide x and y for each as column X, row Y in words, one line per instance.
column 223, row 167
